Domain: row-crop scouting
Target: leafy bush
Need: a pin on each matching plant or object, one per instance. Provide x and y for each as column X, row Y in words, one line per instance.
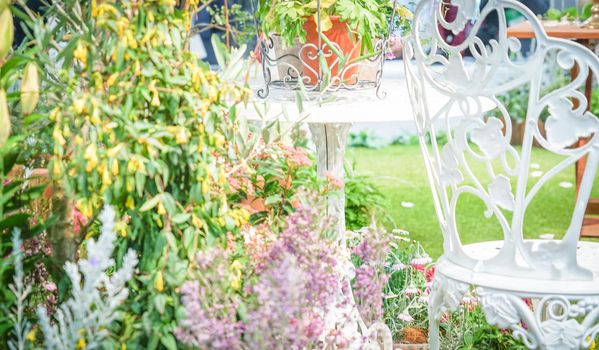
column 363, row 201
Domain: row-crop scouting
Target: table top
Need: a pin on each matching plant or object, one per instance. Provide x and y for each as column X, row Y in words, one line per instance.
column 558, row 30
column 395, row 107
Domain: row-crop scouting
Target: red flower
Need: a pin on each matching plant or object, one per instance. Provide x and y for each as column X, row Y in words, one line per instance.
column 430, row 274
column 419, row 267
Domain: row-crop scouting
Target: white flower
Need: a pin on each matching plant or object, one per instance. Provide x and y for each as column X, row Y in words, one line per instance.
column 398, row 266
column 411, row 290
column 421, row 260
column 423, row 299
column 397, row 231
column 405, row 316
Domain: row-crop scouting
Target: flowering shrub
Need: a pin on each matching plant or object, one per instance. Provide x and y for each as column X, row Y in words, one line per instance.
column 144, row 126
column 411, row 273
column 282, row 307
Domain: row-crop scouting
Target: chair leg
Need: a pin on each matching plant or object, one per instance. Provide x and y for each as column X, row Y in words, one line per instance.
column 433, row 330
column 445, row 296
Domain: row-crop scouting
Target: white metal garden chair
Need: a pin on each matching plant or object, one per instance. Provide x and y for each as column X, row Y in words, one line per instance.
column 561, row 275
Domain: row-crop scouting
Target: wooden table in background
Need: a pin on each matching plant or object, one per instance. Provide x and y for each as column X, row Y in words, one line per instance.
column 590, row 226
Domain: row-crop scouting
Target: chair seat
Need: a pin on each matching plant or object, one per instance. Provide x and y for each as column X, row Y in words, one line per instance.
column 588, row 257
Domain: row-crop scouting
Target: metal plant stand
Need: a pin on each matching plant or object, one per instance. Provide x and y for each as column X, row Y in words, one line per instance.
column 561, row 274
column 288, row 70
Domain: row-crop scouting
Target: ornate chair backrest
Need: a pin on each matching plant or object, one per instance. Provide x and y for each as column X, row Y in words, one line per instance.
column 478, row 159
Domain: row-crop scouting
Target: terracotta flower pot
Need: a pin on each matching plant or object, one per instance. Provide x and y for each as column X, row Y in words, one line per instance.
column 349, row 45
column 413, row 339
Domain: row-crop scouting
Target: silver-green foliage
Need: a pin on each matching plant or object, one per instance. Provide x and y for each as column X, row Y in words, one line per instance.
column 20, row 324
column 84, row 319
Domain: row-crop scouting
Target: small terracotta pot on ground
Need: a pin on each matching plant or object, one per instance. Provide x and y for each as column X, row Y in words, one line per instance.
column 413, row 339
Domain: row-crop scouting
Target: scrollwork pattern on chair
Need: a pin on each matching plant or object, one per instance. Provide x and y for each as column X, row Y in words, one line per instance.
column 557, row 323
column 475, row 138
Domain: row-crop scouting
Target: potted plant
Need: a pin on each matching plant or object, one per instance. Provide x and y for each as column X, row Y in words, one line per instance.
column 349, row 32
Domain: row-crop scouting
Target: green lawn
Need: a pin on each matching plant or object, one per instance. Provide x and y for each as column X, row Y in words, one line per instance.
column 400, row 175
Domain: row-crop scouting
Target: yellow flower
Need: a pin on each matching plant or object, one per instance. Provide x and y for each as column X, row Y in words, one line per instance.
column 79, row 106
column 121, row 25
column 159, row 282
column 161, row 209
column 121, row 228
column 55, row 114
column 91, row 157
column 182, row 137
column 130, row 204
column 236, row 265
column 130, row 185
column 115, row 167
column 205, row 187
column 31, row 335
column 102, row 9
column 151, row 16
column 137, row 69
column 236, row 283
column 80, row 53
column 57, row 135
column 195, row 221
column 112, row 79
column 131, row 39
column 123, row 346
column 219, row 139
column 106, row 179
column 155, row 99
column 405, row 13
column 81, row 344
column 593, row 346
column 56, row 168
column 112, row 152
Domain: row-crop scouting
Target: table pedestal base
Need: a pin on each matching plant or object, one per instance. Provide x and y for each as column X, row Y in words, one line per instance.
column 330, row 140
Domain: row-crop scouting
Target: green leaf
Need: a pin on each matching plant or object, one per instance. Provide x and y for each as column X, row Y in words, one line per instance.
column 160, row 303
column 272, row 199
column 172, row 241
column 168, row 341
column 181, row 218
column 219, row 51
column 151, row 203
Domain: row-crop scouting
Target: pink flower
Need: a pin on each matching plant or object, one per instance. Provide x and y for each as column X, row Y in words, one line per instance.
column 50, row 286
column 334, row 181
column 79, row 220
